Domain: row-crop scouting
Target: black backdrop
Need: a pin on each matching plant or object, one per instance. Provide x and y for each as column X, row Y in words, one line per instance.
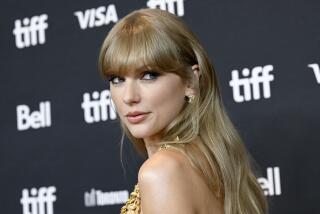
column 59, row 139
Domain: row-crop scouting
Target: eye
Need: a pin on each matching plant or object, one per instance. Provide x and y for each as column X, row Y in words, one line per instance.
column 115, row 79
column 150, row 75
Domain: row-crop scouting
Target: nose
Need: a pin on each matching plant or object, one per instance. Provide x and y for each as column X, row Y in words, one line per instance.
column 131, row 93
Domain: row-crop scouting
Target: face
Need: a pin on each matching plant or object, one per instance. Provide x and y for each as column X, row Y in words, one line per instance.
column 147, row 101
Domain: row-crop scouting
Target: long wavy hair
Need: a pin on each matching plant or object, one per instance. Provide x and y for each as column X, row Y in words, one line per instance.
column 160, row 40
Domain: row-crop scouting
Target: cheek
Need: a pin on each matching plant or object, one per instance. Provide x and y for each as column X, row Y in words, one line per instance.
column 170, row 104
column 167, row 103
column 116, row 98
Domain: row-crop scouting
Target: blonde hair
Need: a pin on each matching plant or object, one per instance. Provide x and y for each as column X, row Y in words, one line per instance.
column 161, row 41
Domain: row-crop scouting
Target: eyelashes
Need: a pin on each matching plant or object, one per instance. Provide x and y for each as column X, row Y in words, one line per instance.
column 150, row 75
column 144, row 76
column 114, row 79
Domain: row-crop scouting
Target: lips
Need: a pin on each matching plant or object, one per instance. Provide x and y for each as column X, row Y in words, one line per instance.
column 136, row 117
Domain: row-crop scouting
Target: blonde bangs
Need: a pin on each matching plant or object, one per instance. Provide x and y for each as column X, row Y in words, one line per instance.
column 135, row 47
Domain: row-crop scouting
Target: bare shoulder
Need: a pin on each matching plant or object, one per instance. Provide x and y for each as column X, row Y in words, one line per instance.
column 164, row 163
column 165, row 183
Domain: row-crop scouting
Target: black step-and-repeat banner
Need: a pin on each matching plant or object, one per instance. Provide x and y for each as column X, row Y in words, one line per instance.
column 59, row 137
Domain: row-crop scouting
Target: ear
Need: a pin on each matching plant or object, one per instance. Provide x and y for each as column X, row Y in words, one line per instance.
column 193, row 84
column 196, row 71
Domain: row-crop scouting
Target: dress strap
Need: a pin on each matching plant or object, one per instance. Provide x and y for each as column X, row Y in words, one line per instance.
column 166, row 145
column 163, row 146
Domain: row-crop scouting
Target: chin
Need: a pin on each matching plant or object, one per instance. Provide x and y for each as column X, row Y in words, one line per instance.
column 138, row 133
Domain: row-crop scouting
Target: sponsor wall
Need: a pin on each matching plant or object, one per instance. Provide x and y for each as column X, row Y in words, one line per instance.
column 59, row 135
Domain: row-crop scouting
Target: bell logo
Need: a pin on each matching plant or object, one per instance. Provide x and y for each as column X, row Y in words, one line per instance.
column 100, row 107
column 271, row 185
column 168, row 5
column 38, row 201
column 97, row 17
column 36, row 119
column 251, row 85
column 316, row 70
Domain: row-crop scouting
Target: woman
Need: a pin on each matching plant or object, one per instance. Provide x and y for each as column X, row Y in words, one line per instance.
column 166, row 94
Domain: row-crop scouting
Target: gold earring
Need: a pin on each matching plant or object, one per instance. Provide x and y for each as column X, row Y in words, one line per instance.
column 191, row 98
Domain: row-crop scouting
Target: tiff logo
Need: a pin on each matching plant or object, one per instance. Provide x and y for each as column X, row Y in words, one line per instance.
column 100, row 107
column 97, row 17
column 172, row 6
column 251, row 85
column 38, row 201
column 99, row 198
column 271, row 185
column 35, row 119
column 30, row 31
column 316, row 70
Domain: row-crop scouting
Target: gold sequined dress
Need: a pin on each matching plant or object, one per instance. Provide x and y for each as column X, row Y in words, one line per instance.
column 133, row 205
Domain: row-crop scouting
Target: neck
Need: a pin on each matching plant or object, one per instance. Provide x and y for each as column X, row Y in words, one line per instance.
column 152, row 145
